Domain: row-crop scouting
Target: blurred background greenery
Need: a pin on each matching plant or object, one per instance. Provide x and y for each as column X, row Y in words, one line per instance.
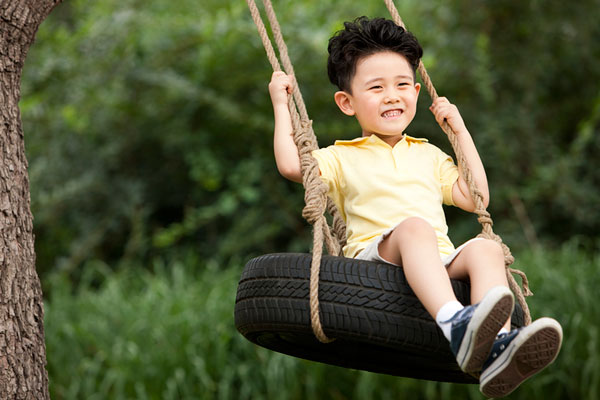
column 148, row 130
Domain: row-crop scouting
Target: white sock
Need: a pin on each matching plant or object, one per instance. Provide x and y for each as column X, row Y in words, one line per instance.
column 445, row 313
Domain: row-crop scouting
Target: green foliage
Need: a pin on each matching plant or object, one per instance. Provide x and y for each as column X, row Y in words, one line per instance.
column 564, row 282
column 169, row 334
column 148, row 125
column 148, row 130
column 166, row 335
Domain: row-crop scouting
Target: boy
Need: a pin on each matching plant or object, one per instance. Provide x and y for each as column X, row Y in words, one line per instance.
column 390, row 187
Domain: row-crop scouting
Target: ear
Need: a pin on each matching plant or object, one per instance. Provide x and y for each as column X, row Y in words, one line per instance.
column 418, row 88
column 344, row 102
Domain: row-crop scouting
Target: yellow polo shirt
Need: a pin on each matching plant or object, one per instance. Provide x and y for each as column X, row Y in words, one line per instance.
column 375, row 186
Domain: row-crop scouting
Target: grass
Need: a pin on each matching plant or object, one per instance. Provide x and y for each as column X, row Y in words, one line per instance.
column 169, row 334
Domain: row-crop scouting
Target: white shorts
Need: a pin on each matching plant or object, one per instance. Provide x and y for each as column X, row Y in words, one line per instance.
column 371, row 252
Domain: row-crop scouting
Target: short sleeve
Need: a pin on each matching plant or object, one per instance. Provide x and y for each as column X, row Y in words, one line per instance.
column 329, row 167
column 448, row 176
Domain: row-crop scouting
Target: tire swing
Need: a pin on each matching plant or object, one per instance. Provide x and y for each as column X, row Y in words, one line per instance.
column 341, row 311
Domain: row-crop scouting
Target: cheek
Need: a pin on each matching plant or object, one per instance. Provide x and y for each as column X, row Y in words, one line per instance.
column 366, row 109
column 374, row 105
column 413, row 102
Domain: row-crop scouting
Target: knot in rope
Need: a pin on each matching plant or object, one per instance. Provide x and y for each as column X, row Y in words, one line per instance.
column 315, row 200
column 339, row 226
column 484, row 217
column 508, row 257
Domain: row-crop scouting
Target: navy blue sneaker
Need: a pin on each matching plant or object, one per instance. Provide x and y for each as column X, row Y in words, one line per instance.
column 517, row 355
column 475, row 327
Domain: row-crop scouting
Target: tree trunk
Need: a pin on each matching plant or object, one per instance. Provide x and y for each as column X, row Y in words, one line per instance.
column 22, row 350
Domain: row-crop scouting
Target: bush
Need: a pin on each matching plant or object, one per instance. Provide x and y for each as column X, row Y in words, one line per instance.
column 149, row 126
column 169, row 334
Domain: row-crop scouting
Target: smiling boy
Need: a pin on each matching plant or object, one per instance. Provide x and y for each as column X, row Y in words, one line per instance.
column 390, row 188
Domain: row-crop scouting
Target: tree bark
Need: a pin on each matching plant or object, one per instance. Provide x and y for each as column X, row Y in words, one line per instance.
column 22, row 349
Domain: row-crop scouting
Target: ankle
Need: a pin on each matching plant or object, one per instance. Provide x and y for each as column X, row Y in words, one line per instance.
column 445, row 313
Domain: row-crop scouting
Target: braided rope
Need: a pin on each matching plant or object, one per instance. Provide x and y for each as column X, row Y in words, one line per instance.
column 304, row 137
column 315, row 195
column 285, row 58
column 484, row 217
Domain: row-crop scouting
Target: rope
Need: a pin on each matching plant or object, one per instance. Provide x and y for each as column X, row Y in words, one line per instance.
column 285, row 58
column 484, row 217
column 315, row 195
column 304, row 137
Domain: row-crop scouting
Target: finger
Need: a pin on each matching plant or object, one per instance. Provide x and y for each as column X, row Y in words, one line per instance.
column 440, row 101
column 438, row 109
column 282, row 80
column 440, row 114
column 288, row 83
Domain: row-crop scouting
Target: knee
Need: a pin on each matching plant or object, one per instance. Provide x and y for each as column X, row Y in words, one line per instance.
column 488, row 249
column 415, row 227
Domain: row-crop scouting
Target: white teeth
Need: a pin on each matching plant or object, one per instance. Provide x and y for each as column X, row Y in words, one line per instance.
column 391, row 113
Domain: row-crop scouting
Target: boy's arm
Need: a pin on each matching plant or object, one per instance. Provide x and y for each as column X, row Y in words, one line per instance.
column 286, row 151
column 443, row 109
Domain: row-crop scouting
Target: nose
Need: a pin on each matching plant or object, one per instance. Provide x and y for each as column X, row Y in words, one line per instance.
column 390, row 97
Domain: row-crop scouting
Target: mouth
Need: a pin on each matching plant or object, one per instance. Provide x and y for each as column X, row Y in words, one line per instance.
column 396, row 112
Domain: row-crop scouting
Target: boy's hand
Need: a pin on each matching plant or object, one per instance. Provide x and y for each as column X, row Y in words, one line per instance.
column 279, row 87
column 442, row 109
column 286, row 152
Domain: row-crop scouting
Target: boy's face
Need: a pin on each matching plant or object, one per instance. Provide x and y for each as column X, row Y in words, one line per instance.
column 384, row 96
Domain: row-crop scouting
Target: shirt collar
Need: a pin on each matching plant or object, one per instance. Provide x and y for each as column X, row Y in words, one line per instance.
column 375, row 138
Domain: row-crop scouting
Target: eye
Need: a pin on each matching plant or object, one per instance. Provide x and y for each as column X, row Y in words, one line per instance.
column 375, row 87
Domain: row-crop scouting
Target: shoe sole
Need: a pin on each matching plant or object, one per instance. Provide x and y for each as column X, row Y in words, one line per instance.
column 535, row 347
column 487, row 320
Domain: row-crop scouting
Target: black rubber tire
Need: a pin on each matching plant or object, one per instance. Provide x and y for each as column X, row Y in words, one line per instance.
column 377, row 321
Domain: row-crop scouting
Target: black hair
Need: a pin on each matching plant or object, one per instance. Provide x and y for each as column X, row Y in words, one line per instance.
column 364, row 37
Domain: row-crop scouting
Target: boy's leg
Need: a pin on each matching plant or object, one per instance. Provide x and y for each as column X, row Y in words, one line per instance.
column 482, row 263
column 471, row 331
column 413, row 244
column 516, row 355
